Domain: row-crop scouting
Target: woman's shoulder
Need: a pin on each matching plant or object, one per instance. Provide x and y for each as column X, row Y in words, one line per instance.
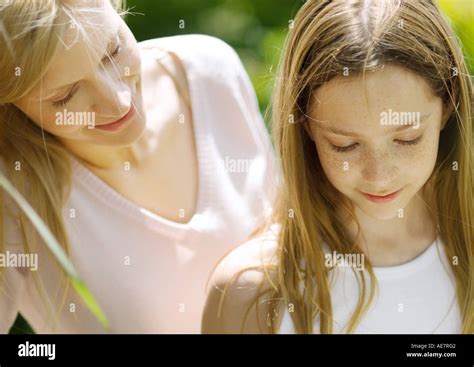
column 208, row 55
column 206, row 46
column 238, row 280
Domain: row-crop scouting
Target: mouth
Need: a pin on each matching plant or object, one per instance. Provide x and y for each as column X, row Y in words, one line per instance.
column 381, row 198
column 118, row 124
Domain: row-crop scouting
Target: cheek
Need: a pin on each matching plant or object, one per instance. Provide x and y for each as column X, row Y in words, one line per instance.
column 419, row 163
column 46, row 119
column 339, row 168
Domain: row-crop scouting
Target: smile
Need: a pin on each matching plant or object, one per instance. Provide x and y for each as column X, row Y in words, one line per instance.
column 381, row 198
column 117, row 125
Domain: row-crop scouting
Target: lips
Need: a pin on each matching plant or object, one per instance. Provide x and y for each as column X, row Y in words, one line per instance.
column 115, row 125
column 381, row 198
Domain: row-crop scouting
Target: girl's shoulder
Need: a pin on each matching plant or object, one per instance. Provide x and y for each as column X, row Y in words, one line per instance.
column 238, row 281
column 257, row 252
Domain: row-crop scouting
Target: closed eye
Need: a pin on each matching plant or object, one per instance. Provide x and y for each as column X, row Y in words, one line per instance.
column 65, row 100
column 410, row 142
column 105, row 60
column 113, row 54
column 344, row 149
column 351, row 147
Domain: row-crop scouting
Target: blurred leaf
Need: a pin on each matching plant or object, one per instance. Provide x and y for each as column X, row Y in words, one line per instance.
column 21, row 326
column 461, row 15
column 56, row 249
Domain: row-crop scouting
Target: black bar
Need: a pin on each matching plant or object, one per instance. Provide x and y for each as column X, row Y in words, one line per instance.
column 129, row 350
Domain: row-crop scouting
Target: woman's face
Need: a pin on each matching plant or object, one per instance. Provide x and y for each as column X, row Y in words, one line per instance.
column 94, row 80
column 377, row 138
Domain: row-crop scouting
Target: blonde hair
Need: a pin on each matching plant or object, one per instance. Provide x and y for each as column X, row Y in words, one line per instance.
column 36, row 163
column 327, row 37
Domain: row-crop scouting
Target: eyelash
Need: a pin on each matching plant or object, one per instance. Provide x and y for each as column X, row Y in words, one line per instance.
column 65, row 100
column 113, row 54
column 353, row 146
column 105, row 60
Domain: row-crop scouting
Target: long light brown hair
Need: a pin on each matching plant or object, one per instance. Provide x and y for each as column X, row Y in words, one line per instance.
column 328, row 38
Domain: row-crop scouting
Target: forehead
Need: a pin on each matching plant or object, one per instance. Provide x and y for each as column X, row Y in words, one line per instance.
column 360, row 98
column 89, row 25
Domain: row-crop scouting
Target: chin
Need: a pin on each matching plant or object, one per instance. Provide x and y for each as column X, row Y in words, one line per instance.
column 380, row 212
column 133, row 134
column 124, row 138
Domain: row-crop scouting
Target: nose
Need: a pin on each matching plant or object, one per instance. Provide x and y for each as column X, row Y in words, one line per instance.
column 113, row 97
column 378, row 168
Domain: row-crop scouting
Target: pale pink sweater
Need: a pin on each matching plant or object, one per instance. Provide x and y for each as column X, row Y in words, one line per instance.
column 146, row 272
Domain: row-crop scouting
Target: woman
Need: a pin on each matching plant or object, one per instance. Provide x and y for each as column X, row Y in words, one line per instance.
column 148, row 163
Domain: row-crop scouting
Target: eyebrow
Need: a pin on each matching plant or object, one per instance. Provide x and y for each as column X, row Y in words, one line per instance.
column 355, row 135
column 54, row 91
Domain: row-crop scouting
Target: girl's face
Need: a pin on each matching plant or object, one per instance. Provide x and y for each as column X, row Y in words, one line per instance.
column 94, row 80
column 377, row 138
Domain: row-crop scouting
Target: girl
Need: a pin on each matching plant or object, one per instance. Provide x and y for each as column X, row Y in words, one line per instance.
column 373, row 228
column 132, row 155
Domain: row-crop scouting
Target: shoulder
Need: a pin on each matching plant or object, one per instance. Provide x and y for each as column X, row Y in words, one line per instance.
column 198, row 57
column 208, row 57
column 242, row 277
column 208, row 47
column 255, row 253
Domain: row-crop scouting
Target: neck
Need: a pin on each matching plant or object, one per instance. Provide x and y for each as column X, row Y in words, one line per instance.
column 103, row 157
column 160, row 139
column 396, row 240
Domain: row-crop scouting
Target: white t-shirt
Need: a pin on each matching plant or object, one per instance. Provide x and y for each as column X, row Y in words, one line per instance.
column 148, row 273
column 417, row 297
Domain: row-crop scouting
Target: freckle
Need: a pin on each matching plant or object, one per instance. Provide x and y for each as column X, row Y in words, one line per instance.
column 423, row 150
column 336, row 165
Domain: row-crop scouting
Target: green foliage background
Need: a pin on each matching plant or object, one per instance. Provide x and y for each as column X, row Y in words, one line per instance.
column 256, row 29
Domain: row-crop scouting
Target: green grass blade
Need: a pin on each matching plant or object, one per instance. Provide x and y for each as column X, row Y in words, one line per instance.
column 57, row 251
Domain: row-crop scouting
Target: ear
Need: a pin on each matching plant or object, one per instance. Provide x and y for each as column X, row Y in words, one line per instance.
column 307, row 128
